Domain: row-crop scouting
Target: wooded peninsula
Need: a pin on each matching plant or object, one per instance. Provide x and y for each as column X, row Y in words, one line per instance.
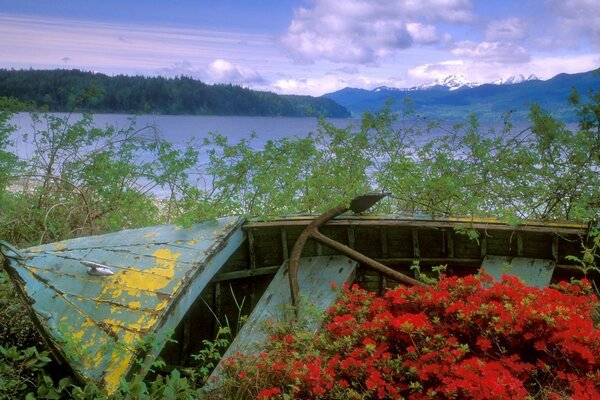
column 63, row 90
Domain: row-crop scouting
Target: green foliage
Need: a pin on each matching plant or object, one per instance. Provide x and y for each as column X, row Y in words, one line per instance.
column 21, row 371
column 15, row 328
column 208, row 358
column 8, row 161
column 82, row 180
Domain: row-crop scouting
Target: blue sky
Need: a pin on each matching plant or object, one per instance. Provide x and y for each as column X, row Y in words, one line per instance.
column 305, row 47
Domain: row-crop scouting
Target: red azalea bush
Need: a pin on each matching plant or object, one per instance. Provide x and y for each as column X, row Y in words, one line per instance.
column 463, row 338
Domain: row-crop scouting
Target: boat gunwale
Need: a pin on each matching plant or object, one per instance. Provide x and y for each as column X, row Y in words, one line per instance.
column 563, row 227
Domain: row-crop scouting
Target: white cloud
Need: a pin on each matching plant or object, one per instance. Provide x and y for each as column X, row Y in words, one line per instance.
column 364, row 32
column 497, row 52
column 549, row 66
column 423, row 33
column 509, row 29
column 429, row 72
column 222, row 71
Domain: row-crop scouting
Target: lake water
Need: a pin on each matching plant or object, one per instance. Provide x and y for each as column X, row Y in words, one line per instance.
column 179, row 129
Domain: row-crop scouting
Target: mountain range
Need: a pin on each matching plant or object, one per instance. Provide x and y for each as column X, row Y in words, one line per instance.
column 458, row 82
column 455, row 97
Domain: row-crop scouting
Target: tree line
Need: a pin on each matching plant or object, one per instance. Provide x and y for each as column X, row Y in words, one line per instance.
column 61, row 90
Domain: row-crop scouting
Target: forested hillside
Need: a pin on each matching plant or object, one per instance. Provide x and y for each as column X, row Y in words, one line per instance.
column 62, row 90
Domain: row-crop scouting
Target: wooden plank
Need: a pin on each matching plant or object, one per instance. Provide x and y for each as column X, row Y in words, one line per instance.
column 533, row 271
column 284, row 245
column 244, row 273
column 450, row 243
column 315, row 276
column 380, row 221
column 484, row 244
column 384, row 243
column 415, row 242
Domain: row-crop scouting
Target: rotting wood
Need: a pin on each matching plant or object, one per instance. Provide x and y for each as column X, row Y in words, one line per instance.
column 245, row 273
column 351, row 237
column 415, row 244
column 429, row 260
column 566, row 229
column 484, row 243
column 519, row 245
column 384, row 244
column 251, row 250
column 284, row 244
column 450, row 239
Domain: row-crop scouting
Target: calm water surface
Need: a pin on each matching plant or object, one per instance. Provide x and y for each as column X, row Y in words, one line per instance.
column 179, row 129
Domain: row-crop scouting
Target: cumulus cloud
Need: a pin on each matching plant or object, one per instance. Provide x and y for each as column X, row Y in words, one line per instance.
column 428, row 72
column 222, row 71
column 424, row 33
column 361, row 31
column 497, row 52
column 509, row 29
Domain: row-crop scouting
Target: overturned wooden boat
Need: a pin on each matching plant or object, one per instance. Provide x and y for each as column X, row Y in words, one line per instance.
column 106, row 305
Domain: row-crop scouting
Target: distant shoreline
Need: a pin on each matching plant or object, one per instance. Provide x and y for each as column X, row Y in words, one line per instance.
column 63, row 90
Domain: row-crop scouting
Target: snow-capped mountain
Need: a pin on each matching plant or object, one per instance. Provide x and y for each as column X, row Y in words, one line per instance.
column 457, row 81
column 489, row 100
column 511, row 80
column 451, row 82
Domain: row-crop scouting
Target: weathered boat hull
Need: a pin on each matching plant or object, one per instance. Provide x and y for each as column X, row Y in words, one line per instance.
column 171, row 281
column 101, row 324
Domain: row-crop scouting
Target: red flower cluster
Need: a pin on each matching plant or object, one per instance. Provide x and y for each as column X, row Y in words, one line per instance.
column 467, row 338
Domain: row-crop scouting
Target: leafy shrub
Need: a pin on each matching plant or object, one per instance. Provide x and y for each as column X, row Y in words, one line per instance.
column 15, row 328
column 462, row 338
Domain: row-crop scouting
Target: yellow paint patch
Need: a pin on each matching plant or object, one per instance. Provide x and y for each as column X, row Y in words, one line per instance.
column 130, row 282
column 151, row 234
column 136, row 305
column 117, row 368
column 78, row 335
column 59, row 246
column 192, row 242
column 166, row 258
